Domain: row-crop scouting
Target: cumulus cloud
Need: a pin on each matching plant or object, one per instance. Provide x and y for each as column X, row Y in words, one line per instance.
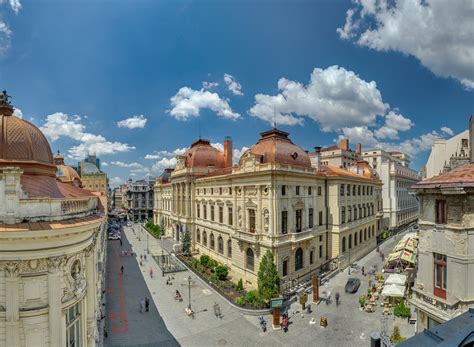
column 62, row 125
column 17, row 112
column 334, row 98
column 440, row 34
column 115, row 181
column 233, row 85
column 133, row 122
column 187, row 103
column 393, row 124
column 163, row 164
column 5, row 31
column 127, row 165
column 447, row 131
column 209, row 85
column 104, row 163
column 163, row 154
column 236, row 153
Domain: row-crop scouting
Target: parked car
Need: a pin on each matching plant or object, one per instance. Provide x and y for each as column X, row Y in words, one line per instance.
column 114, row 236
column 352, row 285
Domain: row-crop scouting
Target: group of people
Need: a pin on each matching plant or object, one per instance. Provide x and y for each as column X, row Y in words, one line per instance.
column 144, row 305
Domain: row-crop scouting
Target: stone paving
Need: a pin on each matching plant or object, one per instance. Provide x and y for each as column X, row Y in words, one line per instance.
column 348, row 325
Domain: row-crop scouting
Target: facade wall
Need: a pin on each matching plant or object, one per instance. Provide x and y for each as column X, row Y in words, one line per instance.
column 95, row 182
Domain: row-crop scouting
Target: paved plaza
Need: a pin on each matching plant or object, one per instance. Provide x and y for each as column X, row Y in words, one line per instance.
column 168, row 324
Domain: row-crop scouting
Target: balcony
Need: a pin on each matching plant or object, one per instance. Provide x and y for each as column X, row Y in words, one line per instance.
column 440, row 307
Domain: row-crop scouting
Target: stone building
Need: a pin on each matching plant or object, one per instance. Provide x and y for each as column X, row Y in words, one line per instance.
column 51, row 245
column 339, row 155
column 139, row 195
column 66, row 174
column 444, row 286
column 274, row 199
column 92, row 178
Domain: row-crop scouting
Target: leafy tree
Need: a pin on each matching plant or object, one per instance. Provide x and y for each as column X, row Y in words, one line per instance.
column 268, row 278
column 240, row 285
column 221, row 272
column 204, row 260
column 187, row 243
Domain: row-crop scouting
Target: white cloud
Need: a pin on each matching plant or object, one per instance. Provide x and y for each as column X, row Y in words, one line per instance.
column 5, row 31
column 440, row 34
column 133, row 122
column 115, row 181
column 232, row 84
column 17, row 112
column 386, row 133
column 127, row 165
column 187, row 103
column 236, row 153
column 163, row 154
column 15, row 5
column 162, row 164
column 104, row 163
column 447, row 131
column 393, row 124
column 61, row 125
column 334, row 97
column 209, row 85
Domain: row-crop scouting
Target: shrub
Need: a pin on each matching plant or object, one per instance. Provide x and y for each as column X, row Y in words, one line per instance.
column 401, row 310
column 240, row 285
column 212, row 264
column 204, row 260
column 396, row 337
column 221, row 272
column 362, row 300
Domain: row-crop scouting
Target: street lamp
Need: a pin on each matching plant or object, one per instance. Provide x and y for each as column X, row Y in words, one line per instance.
column 147, row 243
column 189, row 288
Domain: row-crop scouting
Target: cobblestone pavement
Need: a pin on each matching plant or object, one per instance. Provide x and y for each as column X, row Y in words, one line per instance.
column 125, row 325
column 347, row 324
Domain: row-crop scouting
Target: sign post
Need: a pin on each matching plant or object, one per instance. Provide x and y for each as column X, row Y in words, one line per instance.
column 315, row 289
column 276, row 304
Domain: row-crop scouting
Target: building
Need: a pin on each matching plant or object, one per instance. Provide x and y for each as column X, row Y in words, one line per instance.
column 400, row 207
column 444, row 286
column 92, row 178
column 274, row 199
column 139, row 195
column 443, row 150
column 338, row 155
column 66, row 174
column 51, row 245
column 457, row 332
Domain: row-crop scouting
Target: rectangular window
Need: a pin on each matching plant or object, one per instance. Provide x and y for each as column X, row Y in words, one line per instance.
column 229, row 210
column 284, row 222
column 309, row 191
column 354, row 190
column 311, row 257
column 358, row 190
column 320, row 238
column 320, row 251
column 283, row 190
column 251, row 220
column 440, row 273
column 73, row 326
column 348, row 190
column 297, row 190
column 341, row 190
column 220, row 191
column 310, row 217
column 285, row 267
column 320, row 217
column 319, row 191
column 221, row 214
column 440, row 212
column 230, row 190
column 205, row 211
column 298, row 220
column 198, row 210
column 212, row 213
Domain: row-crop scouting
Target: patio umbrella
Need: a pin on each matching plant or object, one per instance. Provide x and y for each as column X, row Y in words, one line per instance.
column 396, row 279
column 393, row 290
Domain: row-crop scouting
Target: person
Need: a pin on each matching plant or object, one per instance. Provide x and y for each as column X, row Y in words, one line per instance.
column 147, row 304
column 142, row 305
column 120, row 242
column 337, row 298
column 383, row 257
column 141, row 263
column 363, row 271
column 284, row 323
column 145, row 257
column 151, row 272
column 121, row 269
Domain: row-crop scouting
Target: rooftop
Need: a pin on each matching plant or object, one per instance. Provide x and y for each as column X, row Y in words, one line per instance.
column 462, row 176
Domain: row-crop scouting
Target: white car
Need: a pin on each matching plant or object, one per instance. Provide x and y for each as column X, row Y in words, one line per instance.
column 114, row 236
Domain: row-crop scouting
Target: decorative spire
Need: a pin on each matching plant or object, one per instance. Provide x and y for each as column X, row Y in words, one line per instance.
column 6, row 107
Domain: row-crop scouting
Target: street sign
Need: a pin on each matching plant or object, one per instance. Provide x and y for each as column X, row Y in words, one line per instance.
column 276, row 303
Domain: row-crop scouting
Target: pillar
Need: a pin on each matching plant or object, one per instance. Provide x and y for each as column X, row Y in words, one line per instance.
column 12, row 290
column 91, row 295
column 54, row 301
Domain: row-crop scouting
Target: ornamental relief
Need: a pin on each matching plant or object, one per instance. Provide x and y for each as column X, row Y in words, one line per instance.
column 34, row 266
column 75, row 280
column 12, row 269
column 251, row 191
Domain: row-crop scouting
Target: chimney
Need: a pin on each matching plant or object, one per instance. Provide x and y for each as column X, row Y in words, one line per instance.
column 471, row 138
column 358, row 149
column 344, row 144
column 316, row 158
column 228, row 152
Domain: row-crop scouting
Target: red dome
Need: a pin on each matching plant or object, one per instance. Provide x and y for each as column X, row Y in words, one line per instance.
column 202, row 154
column 275, row 147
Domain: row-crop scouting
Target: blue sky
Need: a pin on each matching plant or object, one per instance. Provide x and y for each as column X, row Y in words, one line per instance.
column 395, row 77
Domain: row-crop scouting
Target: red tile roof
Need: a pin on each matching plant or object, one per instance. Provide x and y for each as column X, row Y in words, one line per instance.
column 462, row 176
column 48, row 187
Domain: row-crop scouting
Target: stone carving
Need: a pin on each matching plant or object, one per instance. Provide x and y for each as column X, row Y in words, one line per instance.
column 239, row 216
column 4, row 99
column 55, row 263
column 266, row 190
column 266, row 220
column 34, row 266
column 76, row 282
column 251, row 191
column 12, row 269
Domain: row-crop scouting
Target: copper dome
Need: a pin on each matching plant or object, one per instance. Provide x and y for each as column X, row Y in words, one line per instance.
column 67, row 174
column 275, row 147
column 202, row 154
column 22, row 144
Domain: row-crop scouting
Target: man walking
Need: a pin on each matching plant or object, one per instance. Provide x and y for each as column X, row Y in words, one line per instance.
column 121, row 269
column 120, row 242
column 337, row 298
column 147, row 304
column 142, row 305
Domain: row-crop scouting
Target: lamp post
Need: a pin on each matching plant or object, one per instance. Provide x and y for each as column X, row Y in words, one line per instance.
column 162, row 263
column 189, row 289
column 147, row 243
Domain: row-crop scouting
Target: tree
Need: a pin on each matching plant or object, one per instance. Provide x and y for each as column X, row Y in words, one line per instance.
column 268, row 278
column 186, row 243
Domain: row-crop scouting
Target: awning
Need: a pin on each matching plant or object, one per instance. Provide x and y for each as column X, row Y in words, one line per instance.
column 393, row 290
column 408, row 244
column 396, row 279
column 402, row 255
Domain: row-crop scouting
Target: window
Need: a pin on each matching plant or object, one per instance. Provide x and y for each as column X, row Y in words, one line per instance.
column 358, row 190
column 212, row 191
column 310, row 217
column 284, row 222
column 320, row 238
column 440, row 212
column 311, row 257
column 343, row 215
column 229, row 248
column 353, row 190
column 220, row 191
column 363, row 190
column 298, row 220
column 230, row 190
column 285, row 267
column 320, row 218
column 212, row 241
column 440, row 273
column 309, row 191
column 283, row 190
column 198, row 236
column 204, row 238
column 212, row 213
column 350, row 241
column 229, row 211
column 250, row 259
column 341, row 190
column 221, row 214
column 251, row 220
column 320, row 251
column 205, row 211
column 198, row 210
column 355, row 239
column 73, row 326
column 348, row 190
column 349, row 212
column 220, row 245
column 343, row 244
column 360, row 236
column 355, row 212
column 298, row 259
column 319, row 191
column 297, row 190
column 365, row 234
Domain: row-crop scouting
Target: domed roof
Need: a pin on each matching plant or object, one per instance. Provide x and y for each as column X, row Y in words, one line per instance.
column 23, row 144
column 67, row 174
column 275, row 147
column 202, row 154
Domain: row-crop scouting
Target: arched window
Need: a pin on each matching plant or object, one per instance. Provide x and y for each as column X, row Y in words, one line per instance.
column 343, row 244
column 298, row 259
column 211, row 237
column 204, row 238
column 220, row 245
column 250, row 259
column 350, row 241
column 229, row 248
column 355, row 239
column 360, row 236
column 198, row 236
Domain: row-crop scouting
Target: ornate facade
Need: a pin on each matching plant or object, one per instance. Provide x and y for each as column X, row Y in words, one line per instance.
column 51, row 245
column 274, row 199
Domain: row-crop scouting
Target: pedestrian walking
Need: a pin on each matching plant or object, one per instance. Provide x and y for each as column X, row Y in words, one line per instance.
column 142, row 305
column 121, row 269
column 363, row 271
column 147, row 304
column 151, row 272
column 145, row 257
column 337, row 298
column 383, row 257
column 120, row 242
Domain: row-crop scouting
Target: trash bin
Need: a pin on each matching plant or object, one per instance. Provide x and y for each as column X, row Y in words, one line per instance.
column 375, row 339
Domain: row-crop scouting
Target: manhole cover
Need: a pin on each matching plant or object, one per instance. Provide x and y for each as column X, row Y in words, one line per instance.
column 222, row 342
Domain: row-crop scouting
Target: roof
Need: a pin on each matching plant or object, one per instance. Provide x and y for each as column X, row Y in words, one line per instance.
column 462, row 176
column 330, row 148
column 333, row 171
column 202, row 154
column 33, row 226
column 455, row 332
column 48, row 187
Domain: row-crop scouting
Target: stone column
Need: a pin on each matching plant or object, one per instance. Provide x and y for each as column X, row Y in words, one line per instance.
column 12, row 290
column 259, row 212
column 91, row 296
column 54, row 301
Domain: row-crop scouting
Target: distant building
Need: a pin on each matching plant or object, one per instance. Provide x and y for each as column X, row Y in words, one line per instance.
column 92, row 178
column 338, row 155
column 66, row 174
column 140, row 199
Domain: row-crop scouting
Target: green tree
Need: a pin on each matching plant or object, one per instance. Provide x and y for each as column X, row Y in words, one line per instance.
column 187, row 243
column 268, row 278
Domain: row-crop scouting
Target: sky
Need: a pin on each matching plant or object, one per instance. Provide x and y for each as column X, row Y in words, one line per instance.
column 136, row 82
